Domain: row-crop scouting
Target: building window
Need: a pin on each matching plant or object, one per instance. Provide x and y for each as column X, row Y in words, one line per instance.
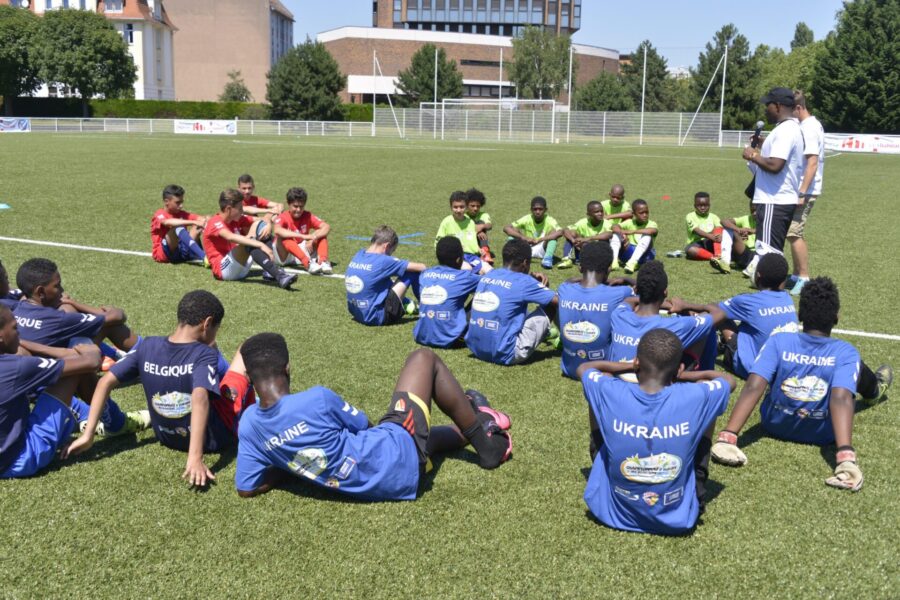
column 113, row 6
column 48, row 4
column 128, row 34
column 480, row 63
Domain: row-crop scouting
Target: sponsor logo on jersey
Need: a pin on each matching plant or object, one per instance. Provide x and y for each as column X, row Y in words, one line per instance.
column 172, row 405
column 492, row 325
column 485, row 302
column 309, row 462
column 656, row 468
column 443, row 315
column 332, row 483
column 650, row 498
column 673, row 496
column 400, row 405
column 354, row 284
column 792, row 327
column 627, row 494
column 346, row 468
column 582, row 332
column 581, row 353
column 806, row 389
column 433, row 295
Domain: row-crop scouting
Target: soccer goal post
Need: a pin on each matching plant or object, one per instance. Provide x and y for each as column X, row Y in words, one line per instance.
column 506, row 119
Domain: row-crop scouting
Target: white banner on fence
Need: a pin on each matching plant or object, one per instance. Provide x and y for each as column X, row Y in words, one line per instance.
column 863, row 142
column 8, row 125
column 206, row 127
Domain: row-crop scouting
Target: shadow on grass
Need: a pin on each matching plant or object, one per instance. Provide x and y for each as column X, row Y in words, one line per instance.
column 103, row 448
column 752, row 435
column 538, row 356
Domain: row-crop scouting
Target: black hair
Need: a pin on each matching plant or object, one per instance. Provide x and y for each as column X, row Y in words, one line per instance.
column 35, row 272
column 477, row 195
column 295, row 194
column 3, row 274
column 245, row 178
column 539, row 201
column 385, row 235
column 596, row 257
column 230, row 197
column 639, row 202
column 516, row 251
column 771, row 271
column 661, row 350
column 593, row 203
column 265, row 356
column 173, row 190
column 449, row 251
column 819, row 304
column 652, row 282
column 5, row 315
column 458, row 196
column 197, row 306
column 701, row 195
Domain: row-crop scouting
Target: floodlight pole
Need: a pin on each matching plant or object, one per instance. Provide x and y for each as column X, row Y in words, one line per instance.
column 374, row 90
column 500, row 98
column 569, row 111
column 643, row 96
column 722, row 100
column 435, row 73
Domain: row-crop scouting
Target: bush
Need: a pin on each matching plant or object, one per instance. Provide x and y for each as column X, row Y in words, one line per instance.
column 138, row 109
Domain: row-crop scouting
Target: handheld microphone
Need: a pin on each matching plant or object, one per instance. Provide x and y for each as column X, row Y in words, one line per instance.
column 759, row 128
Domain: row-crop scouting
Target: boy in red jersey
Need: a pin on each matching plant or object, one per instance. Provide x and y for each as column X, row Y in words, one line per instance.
column 173, row 231
column 301, row 236
column 258, row 207
column 231, row 247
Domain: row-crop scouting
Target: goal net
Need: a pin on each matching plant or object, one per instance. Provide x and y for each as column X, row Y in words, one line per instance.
column 508, row 119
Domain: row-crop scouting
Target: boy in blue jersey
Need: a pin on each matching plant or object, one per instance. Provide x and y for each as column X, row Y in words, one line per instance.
column 650, row 440
column 30, row 438
column 501, row 330
column 317, row 435
column 373, row 296
column 180, row 375
column 629, row 323
column 442, row 315
column 813, row 380
column 49, row 317
column 585, row 306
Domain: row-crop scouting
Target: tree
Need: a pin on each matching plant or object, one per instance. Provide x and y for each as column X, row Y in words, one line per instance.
column 540, row 67
column 857, row 83
column 417, row 82
column 792, row 70
column 803, row 36
column 742, row 87
column 18, row 74
column 82, row 49
column 659, row 95
column 605, row 92
column 235, row 90
column 304, row 84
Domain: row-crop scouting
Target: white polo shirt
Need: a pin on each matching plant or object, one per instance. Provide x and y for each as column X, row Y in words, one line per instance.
column 785, row 142
column 814, row 143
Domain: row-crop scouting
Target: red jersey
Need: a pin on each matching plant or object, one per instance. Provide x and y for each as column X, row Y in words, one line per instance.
column 215, row 246
column 158, row 231
column 256, row 201
column 306, row 223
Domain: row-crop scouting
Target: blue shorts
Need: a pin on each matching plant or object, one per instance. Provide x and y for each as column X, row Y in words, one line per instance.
column 474, row 261
column 648, row 255
column 180, row 254
column 50, row 424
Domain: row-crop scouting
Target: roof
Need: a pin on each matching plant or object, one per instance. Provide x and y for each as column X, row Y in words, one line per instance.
column 276, row 6
column 446, row 37
column 135, row 11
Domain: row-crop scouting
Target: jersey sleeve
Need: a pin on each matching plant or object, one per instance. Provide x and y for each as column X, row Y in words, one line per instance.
column 537, row 293
column 591, row 382
column 395, row 266
column 251, row 466
column 34, row 374
column 206, row 373
column 522, row 223
column 717, row 394
column 693, row 329
column 262, row 202
column 80, row 325
column 810, row 141
column 766, row 363
column 485, row 218
column 781, row 145
column 442, row 231
column 245, row 224
column 846, row 372
column 342, row 412
column 736, row 308
column 717, row 222
column 127, row 369
column 156, row 224
column 552, row 224
column 315, row 222
column 469, row 281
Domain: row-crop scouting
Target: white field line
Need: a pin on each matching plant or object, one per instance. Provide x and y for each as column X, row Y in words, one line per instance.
column 128, row 252
column 853, row 332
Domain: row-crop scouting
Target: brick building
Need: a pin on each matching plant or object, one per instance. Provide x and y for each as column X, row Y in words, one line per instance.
column 477, row 57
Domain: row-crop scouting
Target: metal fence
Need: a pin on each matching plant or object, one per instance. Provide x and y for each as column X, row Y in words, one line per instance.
column 522, row 126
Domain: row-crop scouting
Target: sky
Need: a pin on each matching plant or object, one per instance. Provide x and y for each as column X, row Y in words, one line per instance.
column 679, row 30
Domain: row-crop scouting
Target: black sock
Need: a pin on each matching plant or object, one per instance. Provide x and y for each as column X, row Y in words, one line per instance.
column 701, row 470
column 491, row 448
column 260, row 258
column 867, row 385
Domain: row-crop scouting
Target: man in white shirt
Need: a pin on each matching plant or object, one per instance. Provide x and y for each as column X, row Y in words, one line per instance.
column 778, row 169
column 810, row 188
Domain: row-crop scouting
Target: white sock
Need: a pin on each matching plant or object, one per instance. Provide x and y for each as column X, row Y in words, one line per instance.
column 615, row 243
column 642, row 246
column 727, row 243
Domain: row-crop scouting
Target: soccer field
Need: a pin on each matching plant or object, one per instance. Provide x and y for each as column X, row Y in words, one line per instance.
column 118, row 520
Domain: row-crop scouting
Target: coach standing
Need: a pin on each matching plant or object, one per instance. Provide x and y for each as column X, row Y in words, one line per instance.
column 778, row 168
column 810, row 188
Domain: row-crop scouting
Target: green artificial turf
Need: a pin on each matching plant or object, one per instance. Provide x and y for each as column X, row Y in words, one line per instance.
column 118, row 521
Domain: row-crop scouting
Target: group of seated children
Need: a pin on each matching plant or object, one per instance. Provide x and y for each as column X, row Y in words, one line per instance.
column 246, row 230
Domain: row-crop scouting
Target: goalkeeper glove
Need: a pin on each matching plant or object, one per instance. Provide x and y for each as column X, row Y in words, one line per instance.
column 847, row 475
column 726, row 452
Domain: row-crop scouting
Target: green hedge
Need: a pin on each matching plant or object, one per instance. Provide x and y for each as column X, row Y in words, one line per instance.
column 162, row 109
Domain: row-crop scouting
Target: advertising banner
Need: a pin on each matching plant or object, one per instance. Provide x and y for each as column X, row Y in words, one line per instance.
column 862, row 142
column 14, row 125
column 206, row 127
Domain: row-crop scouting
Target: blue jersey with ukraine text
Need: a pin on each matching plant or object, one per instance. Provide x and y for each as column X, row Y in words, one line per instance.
column 642, row 478
column 628, row 327
column 761, row 315
column 368, row 282
column 442, row 315
column 169, row 373
column 498, row 313
column 584, row 322
column 802, row 370
column 20, row 378
column 315, row 434
column 53, row 327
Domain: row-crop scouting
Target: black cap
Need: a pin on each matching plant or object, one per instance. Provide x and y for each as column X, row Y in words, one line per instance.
column 779, row 95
